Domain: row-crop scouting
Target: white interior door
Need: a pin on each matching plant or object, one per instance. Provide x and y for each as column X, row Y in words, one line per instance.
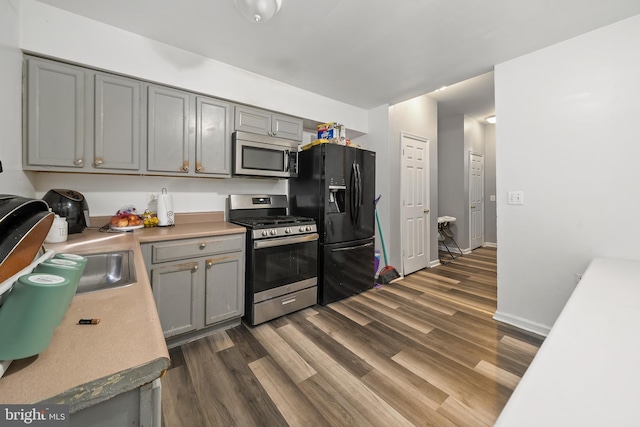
column 415, row 203
column 476, row 200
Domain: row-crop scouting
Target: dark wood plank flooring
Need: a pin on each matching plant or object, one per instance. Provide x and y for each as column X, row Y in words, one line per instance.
column 423, row 351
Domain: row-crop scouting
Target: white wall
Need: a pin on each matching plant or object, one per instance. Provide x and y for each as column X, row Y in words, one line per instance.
column 418, row 117
column 568, row 137
column 490, row 235
column 451, row 172
column 13, row 180
column 52, row 32
column 378, row 140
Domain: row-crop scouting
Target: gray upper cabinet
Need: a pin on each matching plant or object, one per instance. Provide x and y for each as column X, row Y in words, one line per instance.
column 267, row 123
column 56, row 109
column 80, row 120
column 188, row 134
column 117, row 123
column 213, row 137
column 168, row 130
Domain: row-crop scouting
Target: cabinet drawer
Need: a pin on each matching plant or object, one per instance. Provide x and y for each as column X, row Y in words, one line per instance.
column 284, row 304
column 192, row 248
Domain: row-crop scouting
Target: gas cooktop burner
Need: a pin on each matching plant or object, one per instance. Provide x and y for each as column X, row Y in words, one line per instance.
column 266, row 221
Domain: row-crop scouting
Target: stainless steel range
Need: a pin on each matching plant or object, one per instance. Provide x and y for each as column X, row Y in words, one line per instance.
column 282, row 251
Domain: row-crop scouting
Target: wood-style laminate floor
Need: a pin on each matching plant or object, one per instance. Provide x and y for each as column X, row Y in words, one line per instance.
column 423, row 351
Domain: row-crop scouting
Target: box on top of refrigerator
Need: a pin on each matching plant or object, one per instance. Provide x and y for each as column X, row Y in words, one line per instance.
column 334, row 132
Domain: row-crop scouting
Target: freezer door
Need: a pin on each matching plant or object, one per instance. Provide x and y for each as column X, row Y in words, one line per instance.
column 345, row 269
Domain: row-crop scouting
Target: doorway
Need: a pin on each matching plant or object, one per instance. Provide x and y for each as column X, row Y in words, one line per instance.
column 415, row 203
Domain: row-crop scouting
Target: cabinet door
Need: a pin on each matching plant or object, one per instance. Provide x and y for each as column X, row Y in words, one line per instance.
column 56, row 114
column 175, row 290
column 286, row 127
column 213, row 137
column 253, row 120
column 224, row 288
column 168, row 130
column 117, row 123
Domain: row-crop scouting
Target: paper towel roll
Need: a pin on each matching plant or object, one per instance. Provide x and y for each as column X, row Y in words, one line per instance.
column 165, row 209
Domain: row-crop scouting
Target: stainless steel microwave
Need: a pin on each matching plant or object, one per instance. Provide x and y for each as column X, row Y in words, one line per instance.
column 261, row 155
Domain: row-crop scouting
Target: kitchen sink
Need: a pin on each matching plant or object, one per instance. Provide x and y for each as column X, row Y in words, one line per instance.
column 107, row 270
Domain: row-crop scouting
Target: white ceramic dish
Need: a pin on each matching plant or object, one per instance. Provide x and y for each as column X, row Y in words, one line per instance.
column 133, row 227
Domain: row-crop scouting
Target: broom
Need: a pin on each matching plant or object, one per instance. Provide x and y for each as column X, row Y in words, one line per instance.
column 388, row 274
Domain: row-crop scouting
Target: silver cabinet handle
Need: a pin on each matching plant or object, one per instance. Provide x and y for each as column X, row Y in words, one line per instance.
column 98, row 161
column 209, row 264
column 202, row 246
column 78, row 162
column 288, row 301
column 194, row 268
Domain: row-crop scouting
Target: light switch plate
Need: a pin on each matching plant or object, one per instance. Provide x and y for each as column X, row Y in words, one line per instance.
column 492, row 198
column 515, row 197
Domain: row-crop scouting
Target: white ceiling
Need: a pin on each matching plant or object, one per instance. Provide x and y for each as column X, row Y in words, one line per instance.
column 366, row 52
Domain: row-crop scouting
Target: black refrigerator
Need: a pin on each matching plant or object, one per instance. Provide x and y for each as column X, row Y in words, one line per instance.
column 336, row 187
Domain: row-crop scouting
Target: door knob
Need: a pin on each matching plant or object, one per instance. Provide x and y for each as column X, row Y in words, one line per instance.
column 473, row 207
column 426, row 211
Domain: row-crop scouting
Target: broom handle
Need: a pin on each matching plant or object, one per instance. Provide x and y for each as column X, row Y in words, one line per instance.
column 384, row 250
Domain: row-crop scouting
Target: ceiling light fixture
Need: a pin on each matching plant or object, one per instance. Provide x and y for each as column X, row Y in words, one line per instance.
column 441, row 89
column 491, row 119
column 258, row 10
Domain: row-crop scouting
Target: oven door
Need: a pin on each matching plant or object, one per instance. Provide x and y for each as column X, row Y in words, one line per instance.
column 283, row 265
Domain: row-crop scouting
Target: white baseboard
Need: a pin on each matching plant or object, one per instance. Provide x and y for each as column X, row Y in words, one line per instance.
column 434, row 263
column 522, row 323
column 455, row 250
column 490, row 245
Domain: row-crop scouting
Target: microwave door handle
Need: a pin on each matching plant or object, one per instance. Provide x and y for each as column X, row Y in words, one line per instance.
column 286, row 160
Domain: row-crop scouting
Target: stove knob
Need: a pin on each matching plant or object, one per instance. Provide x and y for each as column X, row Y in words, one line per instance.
column 301, row 229
column 308, row 228
column 287, row 230
column 265, row 233
column 273, row 232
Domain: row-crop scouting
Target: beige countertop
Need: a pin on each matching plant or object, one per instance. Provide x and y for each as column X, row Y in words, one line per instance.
column 87, row 364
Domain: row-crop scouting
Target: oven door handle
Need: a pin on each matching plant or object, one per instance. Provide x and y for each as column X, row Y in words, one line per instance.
column 281, row 241
column 352, row 248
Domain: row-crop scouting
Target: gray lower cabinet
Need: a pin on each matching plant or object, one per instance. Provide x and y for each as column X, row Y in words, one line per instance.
column 141, row 406
column 198, row 284
column 188, row 134
column 267, row 123
column 80, row 120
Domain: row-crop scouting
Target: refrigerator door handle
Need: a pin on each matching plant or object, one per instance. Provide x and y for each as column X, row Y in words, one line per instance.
column 353, row 194
column 359, row 199
column 352, row 248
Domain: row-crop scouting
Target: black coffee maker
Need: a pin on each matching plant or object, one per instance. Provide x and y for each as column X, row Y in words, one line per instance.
column 71, row 205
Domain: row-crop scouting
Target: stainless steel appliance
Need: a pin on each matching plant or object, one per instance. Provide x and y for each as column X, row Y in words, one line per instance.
column 260, row 155
column 336, row 187
column 281, row 256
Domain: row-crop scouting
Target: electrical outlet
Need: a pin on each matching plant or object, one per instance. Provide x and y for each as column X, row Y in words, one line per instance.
column 515, row 197
column 492, row 198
